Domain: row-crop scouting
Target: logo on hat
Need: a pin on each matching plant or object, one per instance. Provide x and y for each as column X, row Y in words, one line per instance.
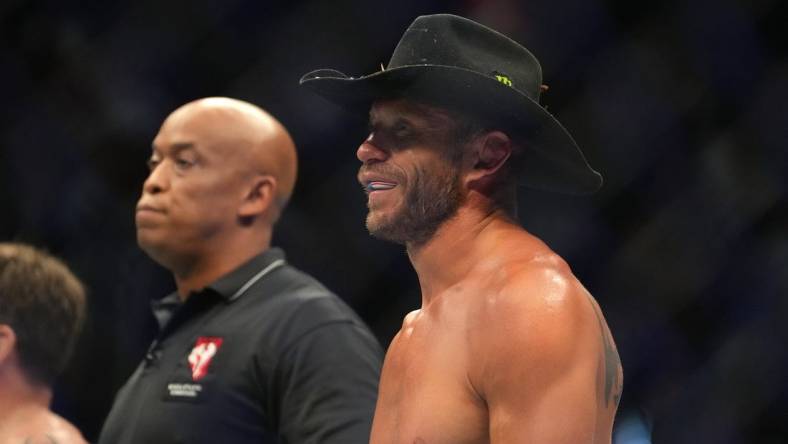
column 503, row 78
column 201, row 355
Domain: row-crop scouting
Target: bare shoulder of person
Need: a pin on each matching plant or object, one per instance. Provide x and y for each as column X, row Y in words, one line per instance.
column 410, row 318
column 49, row 428
column 538, row 314
column 593, row 332
column 539, row 294
column 546, row 321
column 65, row 432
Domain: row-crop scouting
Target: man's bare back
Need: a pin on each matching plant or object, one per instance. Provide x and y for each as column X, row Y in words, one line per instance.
column 518, row 351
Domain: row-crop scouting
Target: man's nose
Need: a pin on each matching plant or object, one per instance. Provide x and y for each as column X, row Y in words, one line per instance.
column 368, row 152
column 157, row 180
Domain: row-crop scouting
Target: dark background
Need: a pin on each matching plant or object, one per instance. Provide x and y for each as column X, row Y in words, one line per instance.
column 680, row 104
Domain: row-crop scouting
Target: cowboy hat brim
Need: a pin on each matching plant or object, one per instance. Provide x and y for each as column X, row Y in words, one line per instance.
column 551, row 159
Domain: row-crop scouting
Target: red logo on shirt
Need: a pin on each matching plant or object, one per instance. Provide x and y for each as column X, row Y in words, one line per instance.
column 201, row 355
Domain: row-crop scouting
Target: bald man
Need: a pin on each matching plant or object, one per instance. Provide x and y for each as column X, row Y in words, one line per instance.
column 250, row 348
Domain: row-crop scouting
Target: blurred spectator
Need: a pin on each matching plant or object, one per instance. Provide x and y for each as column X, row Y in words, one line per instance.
column 42, row 307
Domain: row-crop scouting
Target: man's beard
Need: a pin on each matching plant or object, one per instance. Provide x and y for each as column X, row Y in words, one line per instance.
column 431, row 200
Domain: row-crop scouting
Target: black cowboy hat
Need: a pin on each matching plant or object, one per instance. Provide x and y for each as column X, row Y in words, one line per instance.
column 461, row 64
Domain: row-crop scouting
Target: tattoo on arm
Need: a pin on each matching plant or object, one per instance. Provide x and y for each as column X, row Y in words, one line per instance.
column 612, row 362
column 613, row 385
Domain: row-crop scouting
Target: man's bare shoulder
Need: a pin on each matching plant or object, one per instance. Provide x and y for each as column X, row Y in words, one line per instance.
column 542, row 324
column 538, row 306
column 542, row 282
column 40, row 427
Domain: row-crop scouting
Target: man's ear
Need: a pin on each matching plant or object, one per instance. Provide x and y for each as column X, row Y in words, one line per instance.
column 259, row 197
column 7, row 342
column 489, row 153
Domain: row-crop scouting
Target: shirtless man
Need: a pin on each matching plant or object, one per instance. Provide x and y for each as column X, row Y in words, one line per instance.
column 508, row 346
column 42, row 307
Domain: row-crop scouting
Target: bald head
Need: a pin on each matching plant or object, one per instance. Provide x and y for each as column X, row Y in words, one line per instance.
column 253, row 140
column 221, row 170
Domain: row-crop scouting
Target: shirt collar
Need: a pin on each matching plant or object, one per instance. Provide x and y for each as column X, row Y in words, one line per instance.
column 232, row 285
column 165, row 307
column 228, row 287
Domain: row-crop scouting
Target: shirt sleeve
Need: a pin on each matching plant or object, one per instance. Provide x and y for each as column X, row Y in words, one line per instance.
column 327, row 385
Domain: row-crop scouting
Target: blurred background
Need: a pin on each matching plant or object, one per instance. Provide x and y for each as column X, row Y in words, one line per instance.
column 682, row 105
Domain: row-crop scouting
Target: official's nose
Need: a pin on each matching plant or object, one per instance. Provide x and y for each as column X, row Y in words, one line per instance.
column 156, row 181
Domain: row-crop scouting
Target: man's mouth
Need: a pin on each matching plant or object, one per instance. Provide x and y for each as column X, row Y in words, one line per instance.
column 377, row 185
column 142, row 208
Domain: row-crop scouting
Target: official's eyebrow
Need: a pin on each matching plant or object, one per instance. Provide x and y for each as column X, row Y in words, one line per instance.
column 175, row 147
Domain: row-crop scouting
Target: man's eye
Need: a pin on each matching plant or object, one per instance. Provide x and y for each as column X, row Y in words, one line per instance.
column 401, row 129
column 152, row 163
column 183, row 163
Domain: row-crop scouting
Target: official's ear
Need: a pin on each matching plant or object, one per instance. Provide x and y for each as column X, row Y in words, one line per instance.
column 7, row 342
column 259, row 198
column 489, row 153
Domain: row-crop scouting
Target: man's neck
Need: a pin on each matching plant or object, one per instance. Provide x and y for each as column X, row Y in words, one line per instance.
column 458, row 246
column 19, row 397
column 25, row 414
column 213, row 264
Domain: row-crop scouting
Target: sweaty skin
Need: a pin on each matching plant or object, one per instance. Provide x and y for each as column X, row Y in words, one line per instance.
column 508, row 346
column 514, row 351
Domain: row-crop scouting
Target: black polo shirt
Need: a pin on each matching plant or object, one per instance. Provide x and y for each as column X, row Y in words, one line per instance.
column 264, row 354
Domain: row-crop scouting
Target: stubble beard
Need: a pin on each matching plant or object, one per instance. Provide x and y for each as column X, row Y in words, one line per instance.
column 431, row 200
